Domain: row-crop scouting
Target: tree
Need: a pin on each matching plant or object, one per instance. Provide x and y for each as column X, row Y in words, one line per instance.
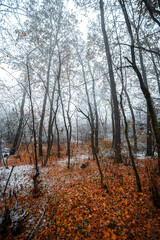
column 129, row 146
column 66, row 119
column 144, row 89
column 113, row 89
column 19, row 130
column 96, row 125
column 52, row 117
column 33, row 120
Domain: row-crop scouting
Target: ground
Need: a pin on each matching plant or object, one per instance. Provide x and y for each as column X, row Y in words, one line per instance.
column 71, row 204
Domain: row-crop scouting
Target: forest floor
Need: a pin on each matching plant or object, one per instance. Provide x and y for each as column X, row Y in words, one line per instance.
column 71, row 204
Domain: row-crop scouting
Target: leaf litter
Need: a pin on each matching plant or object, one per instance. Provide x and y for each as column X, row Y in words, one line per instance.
column 72, row 204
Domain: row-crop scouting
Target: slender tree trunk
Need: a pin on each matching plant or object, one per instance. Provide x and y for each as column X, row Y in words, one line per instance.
column 88, row 102
column 69, row 120
column 133, row 120
column 51, row 118
column 58, row 139
column 130, row 149
column 156, row 72
column 49, row 143
column 1, row 158
column 113, row 88
column 18, row 133
column 77, row 130
column 96, row 128
column 67, row 128
column 149, row 135
column 33, row 122
column 94, row 150
column 124, row 88
column 154, row 64
column 113, row 125
column 44, row 106
column 150, row 151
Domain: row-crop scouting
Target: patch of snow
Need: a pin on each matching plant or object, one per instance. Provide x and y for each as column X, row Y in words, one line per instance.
column 21, row 177
column 75, row 159
column 142, row 156
column 5, row 151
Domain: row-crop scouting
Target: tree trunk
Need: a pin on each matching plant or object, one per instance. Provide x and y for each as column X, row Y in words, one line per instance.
column 88, row 102
column 154, row 64
column 33, row 123
column 51, row 118
column 77, row 127
column 18, row 133
column 58, row 139
column 44, row 106
column 67, row 128
column 113, row 125
column 124, row 88
column 130, row 149
column 96, row 127
column 149, row 135
column 1, row 151
column 113, row 89
column 93, row 149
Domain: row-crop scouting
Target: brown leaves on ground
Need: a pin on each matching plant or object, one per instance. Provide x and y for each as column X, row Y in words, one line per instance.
column 76, row 207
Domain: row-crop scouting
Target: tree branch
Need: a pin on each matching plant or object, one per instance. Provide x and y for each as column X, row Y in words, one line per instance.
column 142, row 48
column 151, row 12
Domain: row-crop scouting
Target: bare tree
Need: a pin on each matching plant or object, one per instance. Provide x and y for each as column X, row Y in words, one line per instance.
column 33, row 119
column 129, row 147
column 96, row 125
column 144, row 89
column 113, row 88
column 66, row 116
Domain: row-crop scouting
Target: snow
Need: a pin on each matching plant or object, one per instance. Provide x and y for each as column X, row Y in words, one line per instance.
column 142, row 156
column 75, row 159
column 5, row 151
column 21, row 177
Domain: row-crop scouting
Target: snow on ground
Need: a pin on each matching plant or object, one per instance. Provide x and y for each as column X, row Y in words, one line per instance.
column 75, row 159
column 21, row 177
column 142, row 156
column 57, row 180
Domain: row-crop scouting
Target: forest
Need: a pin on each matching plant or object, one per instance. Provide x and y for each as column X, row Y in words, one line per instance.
column 79, row 119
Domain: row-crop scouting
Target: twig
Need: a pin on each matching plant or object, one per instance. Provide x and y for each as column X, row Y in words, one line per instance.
column 34, row 228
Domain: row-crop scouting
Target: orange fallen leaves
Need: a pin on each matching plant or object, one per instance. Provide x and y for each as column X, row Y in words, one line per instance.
column 78, row 208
